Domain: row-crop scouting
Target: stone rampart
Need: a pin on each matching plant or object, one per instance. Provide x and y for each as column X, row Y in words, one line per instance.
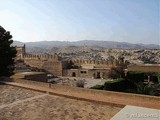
column 54, row 65
column 50, row 63
column 42, row 57
column 108, row 95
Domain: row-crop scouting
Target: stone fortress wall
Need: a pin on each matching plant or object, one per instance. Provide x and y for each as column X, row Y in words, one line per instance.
column 96, row 63
column 90, row 69
column 49, row 63
column 57, row 67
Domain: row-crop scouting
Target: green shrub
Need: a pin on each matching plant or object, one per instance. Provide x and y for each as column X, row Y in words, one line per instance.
column 118, row 85
column 141, row 87
column 99, row 87
column 158, row 74
column 148, row 89
column 139, row 76
column 135, row 76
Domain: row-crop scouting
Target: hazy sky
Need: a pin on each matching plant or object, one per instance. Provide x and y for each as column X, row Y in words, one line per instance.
column 135, row 21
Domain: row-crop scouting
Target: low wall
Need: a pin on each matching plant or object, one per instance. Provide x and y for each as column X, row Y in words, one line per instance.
column 129, row 96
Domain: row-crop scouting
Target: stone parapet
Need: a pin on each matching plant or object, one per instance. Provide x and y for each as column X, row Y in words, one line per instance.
column 118, row 99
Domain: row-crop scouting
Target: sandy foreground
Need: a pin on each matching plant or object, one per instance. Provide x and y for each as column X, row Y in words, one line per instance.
column 22, row 104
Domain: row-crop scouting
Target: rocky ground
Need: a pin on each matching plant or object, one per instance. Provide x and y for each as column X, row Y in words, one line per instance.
column 23, row 104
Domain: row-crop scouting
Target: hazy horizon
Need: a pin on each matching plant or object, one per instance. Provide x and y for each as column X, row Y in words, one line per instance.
column 132, row 21
column 85, row 40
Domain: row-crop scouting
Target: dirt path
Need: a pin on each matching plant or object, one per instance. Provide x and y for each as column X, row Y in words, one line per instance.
column 51, row 107
column 21, row 101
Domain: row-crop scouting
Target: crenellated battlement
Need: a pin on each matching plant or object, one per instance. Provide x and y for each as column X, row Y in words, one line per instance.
column 95, row 62
column 54, row 57
column 55, row 65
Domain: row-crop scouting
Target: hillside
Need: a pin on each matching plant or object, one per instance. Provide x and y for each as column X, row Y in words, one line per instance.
column 96, row 50
column 93, row 43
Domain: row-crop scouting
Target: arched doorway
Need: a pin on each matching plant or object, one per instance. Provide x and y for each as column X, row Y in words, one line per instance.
column 98, row 75
column 73, row 74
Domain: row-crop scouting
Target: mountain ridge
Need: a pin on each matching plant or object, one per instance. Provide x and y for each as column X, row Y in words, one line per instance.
column 93, row 43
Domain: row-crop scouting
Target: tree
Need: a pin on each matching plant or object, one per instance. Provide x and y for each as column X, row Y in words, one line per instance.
column 116, row 72
column 7, row 53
